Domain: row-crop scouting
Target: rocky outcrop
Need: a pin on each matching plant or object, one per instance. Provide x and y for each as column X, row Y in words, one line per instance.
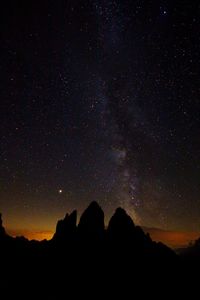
column 91, row 225
column 2, row 230
column 121, row 226
column 66, row 228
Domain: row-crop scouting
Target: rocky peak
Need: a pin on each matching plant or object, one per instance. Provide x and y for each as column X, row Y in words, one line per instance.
column 92, row 221
column 66, row 228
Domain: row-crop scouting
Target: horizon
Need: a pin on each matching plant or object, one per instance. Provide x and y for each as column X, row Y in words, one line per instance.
column 171, row 238
column 100, row 101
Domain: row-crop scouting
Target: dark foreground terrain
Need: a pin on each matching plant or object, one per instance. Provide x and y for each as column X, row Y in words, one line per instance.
column 92, row 261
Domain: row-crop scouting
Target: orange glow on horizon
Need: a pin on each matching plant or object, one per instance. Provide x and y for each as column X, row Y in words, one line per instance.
column 173, row 239
column 32, row 235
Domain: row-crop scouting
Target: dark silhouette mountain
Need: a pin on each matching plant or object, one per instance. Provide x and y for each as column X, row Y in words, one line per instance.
column 123, row 235
column 192, row 252
column 2, row 230
column 121, row 225
column 5, row 239
column 66, row 229
column 91, row 225
column 78, row 254
column 91, row 228
column 121, row 228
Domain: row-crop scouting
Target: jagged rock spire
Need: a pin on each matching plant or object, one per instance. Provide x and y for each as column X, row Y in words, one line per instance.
column 92, row 221
column 66, row 228
column 2, row 230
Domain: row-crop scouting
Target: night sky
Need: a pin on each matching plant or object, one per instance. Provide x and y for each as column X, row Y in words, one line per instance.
column 100, row 100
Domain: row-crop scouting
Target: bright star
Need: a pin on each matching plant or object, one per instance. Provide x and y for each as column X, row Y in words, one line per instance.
column 60, row 191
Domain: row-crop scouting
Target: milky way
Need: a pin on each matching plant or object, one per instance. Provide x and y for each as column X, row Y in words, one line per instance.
column 100, row 101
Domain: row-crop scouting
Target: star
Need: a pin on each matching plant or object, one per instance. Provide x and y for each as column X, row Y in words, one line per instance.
column 163, row 11
column 60, row 191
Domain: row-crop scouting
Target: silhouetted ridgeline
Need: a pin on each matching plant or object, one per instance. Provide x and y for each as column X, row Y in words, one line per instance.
column 88, row 253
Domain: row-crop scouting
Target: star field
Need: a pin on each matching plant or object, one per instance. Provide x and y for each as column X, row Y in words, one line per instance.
column 100, row 101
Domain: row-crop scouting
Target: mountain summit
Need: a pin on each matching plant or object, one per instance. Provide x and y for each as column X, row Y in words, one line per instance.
column 91, row 225
column 66, row 228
